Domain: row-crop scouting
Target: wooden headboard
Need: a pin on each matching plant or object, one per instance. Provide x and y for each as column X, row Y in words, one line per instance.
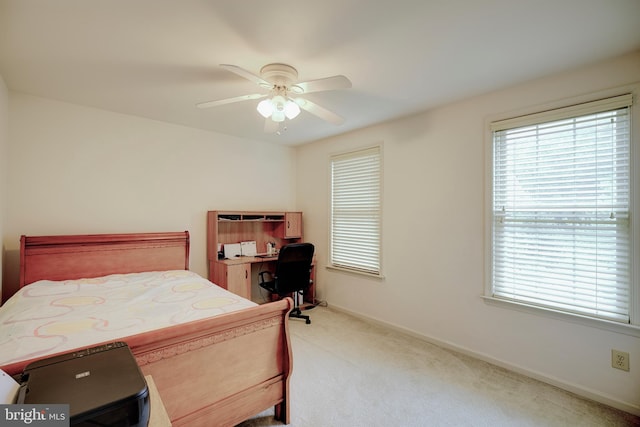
column 94, row 255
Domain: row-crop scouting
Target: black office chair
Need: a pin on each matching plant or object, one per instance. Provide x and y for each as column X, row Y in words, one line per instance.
column 292, row 275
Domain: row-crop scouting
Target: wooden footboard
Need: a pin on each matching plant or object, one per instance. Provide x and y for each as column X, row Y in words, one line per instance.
column 223, row 370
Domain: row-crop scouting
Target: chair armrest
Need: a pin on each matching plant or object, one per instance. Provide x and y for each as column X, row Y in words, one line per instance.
column 262, row 278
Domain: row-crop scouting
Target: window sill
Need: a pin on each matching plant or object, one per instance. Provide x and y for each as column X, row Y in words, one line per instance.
column 353, row 271
column 620, row 328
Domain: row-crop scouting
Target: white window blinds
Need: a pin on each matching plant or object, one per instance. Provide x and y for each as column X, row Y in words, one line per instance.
column 561, row 236
column 356, row 210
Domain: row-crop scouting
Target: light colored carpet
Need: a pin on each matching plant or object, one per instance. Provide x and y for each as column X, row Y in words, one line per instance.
column 349, row 372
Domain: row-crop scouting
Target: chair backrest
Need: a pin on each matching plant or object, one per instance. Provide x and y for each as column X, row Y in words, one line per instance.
column 293, row 269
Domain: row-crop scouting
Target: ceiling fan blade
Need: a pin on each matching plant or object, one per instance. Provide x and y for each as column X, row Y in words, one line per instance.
column 270, row 126
column 210, row 104
column 247, row 75
column 327, row 83
column 319, row 111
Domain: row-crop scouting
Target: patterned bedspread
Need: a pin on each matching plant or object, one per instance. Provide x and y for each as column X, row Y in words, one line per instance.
column 48, row 317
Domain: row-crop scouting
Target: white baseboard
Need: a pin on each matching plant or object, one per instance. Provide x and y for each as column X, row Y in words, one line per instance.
column 573, row 388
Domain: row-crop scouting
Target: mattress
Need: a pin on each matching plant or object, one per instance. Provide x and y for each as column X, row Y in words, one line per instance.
column 48, row 317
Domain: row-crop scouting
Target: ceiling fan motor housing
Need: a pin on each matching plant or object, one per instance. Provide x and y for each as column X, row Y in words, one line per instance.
column 279, row 74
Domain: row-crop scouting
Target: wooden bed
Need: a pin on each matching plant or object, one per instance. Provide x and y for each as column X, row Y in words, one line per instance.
column 216, row 371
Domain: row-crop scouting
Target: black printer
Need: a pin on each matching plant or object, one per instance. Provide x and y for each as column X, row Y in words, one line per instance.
column 102, row 385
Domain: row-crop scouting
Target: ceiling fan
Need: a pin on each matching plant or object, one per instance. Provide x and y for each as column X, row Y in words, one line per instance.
column 282, row 99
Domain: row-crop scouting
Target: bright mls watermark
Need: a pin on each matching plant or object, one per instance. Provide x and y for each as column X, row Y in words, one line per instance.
column 34, row 415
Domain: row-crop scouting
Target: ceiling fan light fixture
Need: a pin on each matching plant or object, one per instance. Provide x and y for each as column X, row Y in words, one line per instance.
column 278, row 108
column 278, row 103
column 265, row 108
column 278, row 116
column 291, row 110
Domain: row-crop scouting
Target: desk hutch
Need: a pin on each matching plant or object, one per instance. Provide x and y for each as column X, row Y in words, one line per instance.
column 225, row 227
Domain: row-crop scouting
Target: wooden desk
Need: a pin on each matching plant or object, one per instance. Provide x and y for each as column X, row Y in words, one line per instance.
column 236, row 275
column 224, row 227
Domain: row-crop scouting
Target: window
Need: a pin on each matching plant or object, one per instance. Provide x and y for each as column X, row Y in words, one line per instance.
column 560, row 215
column 356, row 211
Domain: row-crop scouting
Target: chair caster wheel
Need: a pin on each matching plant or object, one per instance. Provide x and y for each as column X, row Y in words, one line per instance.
column 308, row 322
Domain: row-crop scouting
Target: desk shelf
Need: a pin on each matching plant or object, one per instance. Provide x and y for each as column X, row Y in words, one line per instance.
column 253, row 216
column 225, row 227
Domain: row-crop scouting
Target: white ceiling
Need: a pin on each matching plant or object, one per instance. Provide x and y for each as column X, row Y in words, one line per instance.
column 159, row 58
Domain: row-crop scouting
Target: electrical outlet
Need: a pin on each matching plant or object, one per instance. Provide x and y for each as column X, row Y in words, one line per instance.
column 620, row 360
